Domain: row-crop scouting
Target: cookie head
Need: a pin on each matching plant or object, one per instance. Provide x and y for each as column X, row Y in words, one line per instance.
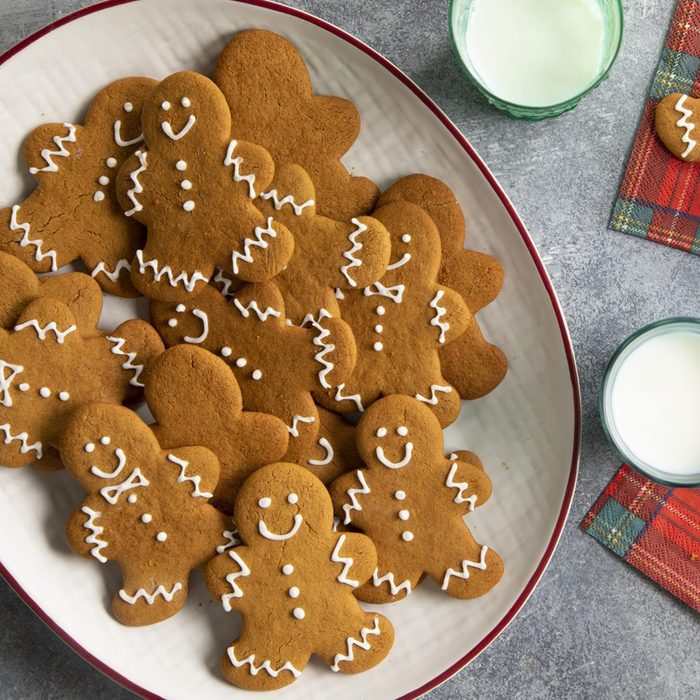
column 398, row 430
column 182, row 323
column 270, row 509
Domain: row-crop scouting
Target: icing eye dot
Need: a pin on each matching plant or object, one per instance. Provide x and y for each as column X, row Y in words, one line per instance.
column 402, row 430
column 241, row 362
column 172, row 322
column 292, row 498
column 165, row 105
column 185, row 102
column 63, row 396
column 287, row 569
column 399, row 495
column 407, row 536
column 378, row 346
column 406, row 238
column 146, row 518
column 98, row 196
column 111, row 162
column 378, row 328
column 45, row 392
column 188, row 205
column 90, row 447
column 162, row 536
column 265, row 502
column 257, row 375
column 299, row 613
column 180, row 308
column 293, row 592
column 128, row 107
column 404, row 514
column 181, row 165
column 103, row 180
column 381, row 432
column 105, row 439
column 133, row 498
column 226, row 351
column 380, row 310
column 24, row 386
column 186, row 185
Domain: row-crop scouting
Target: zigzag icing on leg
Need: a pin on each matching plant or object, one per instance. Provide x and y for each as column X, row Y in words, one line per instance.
column 320, row 356
column 237, row 162
column 434, row 390
column 160, row 592
column 463, row 573
column 138, row 187
column 236, row 591
column 350, row 254
column 96, row 531
column 288, row 199
column 22, row 438
column 188, row 281
column 352, row 397
column 253, row 306
column 113, row 275
column 352, row 494
column 128, row 364
column 390, row 578
column 257, row 242
column 362, row 643
column 266, row 665
column 25, row 241
column 347, row 563
column 41, row 331
column 62, row 152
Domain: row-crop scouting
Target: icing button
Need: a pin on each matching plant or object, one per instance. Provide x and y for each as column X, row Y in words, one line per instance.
column 299, row 613
column 287, row 569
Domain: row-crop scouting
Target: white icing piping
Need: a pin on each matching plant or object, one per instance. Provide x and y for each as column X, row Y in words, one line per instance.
column 121, row 463
column 138, row 187
column 188, row 281
column 25, row 241
column 329, row 454
column 42, row 331
column 62, row 152
column 320, row 356
column 136, row 479
column 400, row 262
column 236, row 591
column 466, row 564
column 194, row 480
column 440, row 311
column 176, row 136
column 266, row 665
column 160, row 592
column 350, row 254
column 221, row 278
column 237, row 162
column 202, row 316
column 268, row 534
column 390, row 578
column 347, row 563
column 408, row 454
column 293, row 430
column 6, row 381
column 118, row 136
column 461, row 487
column 352, row 397
column 248, row 243
column 394, row 293
column 351, row 642
column 434, row 389
column 352, row 495
column 231, row 537
column 22, row 438
column 96, row 531
column 128, row 364
column 288, row 199
column 253, row 306
column 683, row 123
column 113, row 275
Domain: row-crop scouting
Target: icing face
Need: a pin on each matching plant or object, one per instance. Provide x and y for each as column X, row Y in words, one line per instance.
column 277, row 514
column 405, row 450
column 197, row 315
column 401, row 250
column 167, row 107
column 127, row 123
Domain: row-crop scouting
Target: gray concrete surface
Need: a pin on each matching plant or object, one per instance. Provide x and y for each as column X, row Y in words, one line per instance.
column 594, row 627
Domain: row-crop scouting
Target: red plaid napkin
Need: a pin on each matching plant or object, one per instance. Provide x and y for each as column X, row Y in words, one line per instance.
column 653, row 527
column 659, row 197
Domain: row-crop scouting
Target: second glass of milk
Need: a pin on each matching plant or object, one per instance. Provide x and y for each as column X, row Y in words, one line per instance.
column 536, row 58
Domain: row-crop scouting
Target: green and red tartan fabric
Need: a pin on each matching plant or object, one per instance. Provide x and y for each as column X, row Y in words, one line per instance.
column 659, row 198
column 653, row 527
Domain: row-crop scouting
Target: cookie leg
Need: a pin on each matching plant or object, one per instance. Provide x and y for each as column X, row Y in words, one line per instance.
column 391, row 581
column 364, row 647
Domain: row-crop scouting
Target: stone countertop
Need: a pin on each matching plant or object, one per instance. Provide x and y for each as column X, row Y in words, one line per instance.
column 594, row 626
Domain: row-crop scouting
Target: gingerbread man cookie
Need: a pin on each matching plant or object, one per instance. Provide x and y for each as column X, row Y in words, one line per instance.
column 402, row 321
column 49, row 366
column 293, row 582
column 195, row 400
column 676, row 124
column 411, row 501
column 277, row 365
column 74, row 213
column 471, row 364
column 147, row 508
column 193, row 187
column 328, row 254
column 268, row 89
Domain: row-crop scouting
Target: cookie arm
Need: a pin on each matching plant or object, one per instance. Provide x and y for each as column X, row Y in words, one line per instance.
column 252, row 165
column 48, row 148
column 468, row 484
column 226, row 576
column 195, row 468
column 356, row 558
column 450, row 315
column 88, row 532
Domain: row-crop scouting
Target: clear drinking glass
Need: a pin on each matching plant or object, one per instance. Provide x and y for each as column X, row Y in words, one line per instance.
column 459, row 13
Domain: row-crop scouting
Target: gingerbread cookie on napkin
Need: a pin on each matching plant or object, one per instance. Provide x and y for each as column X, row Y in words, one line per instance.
column 677, row 117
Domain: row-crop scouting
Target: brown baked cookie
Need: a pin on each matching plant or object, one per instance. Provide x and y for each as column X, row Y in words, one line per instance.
column 411, row 501
column 195, row 399
column 74, row 213
column 193, row 187
column 268, row 89
column 293, row 581
column 147, row 508
column 328, row 254
column 49, row 367
column 471, row 364
column 402, row 321
column 277, row 365
column 677, row 117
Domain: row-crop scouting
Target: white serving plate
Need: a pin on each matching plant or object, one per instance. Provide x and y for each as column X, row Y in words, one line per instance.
column 526, row 431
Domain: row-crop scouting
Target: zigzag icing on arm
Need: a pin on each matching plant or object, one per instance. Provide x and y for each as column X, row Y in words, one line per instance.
column 683, row 123
column 194, row 480
column 42, row 331
column 434, row 390
column 352, row 495
column 128, row 364
column 293, row 429
column 329, row 454
column 95, row 532
column 113, row 275
column 461, row 487
column 237, row 162
column 347, row 563
column 62, row 152
column 231, row 537
column 253, row 306
column 394, row 293
column 224, row 280
column 23, row 439
column 236, row 591
column 266, row 665
column 25, row 241
column 362, row 643
column 352, row 397
column 354, row 248
column 440, row 311
column 288, row 199
column 188, row 281
column 6, row 381
column 138, row 187
column 390, row 578
column 463, row 573
column 320, row 341
column 160, row 592
column 257, row 242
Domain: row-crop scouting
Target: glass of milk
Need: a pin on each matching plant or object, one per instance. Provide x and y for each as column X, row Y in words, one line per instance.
column 535, row 58
column 650, row 401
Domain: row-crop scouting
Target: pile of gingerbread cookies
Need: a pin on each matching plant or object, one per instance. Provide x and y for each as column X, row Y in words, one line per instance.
column 320, row 335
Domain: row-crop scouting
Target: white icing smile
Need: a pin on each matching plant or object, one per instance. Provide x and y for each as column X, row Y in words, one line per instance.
column 202, row 316
column 265, row 532
column 168, row 128
column 121, row 141
column 400, row 262
column 408, row 453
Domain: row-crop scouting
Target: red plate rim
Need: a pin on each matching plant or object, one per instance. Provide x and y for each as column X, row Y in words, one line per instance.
column 566, row 338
